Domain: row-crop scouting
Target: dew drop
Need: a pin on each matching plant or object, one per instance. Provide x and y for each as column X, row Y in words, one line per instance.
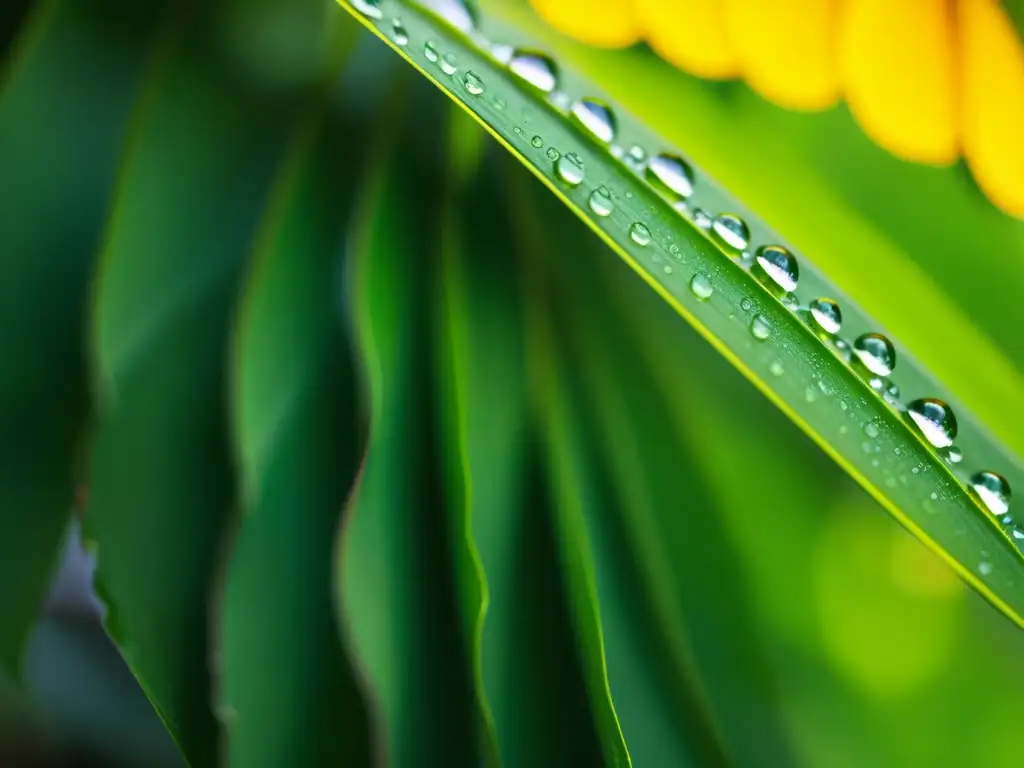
column 560, row 99
column 984, row 568
column 731, row 230
column 746, row 304
column 596, row 118
column 537, row 142
column 430, row 52
column 993, row 490
column 871, row 429
column 842, row 349
column 502, row 52
column 499, row 103
column 616, row 151
column 790, row 301
column 701, row 218
column 601, row 202
column 456, row 12
column 640, row 234
column 636, row 154
column 876, row 352
column 471, row 82
column 827, row 315
column 536, row 69
column 670, row 174
column 449, row 63
column 779, row 264
column 369, row 8
column 553, row 154
column 953, row 455
column 700, row 286
column 935, row 419
column 760, row 328
column 401, row 37
column 776, row 368
column 810, row 395
column 569, row 169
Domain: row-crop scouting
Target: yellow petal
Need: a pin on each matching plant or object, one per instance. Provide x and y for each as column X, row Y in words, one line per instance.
column 896, row 60
column 691, row 34
column 992, row 102
column 787, row 49
column 604, row 23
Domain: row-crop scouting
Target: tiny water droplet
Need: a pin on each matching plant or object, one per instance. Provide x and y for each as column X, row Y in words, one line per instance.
column 867, row 447
column 953, row 455
column 790, row 301
column 369, row 8
column 674, row 252
column 760, row 328
column 668, row 269
column 560, row 99
column 401, row 37
column 892, row 394
column 701, row 218
column 430, row 52
column 746, row 304
column 499, row 103
column 569, row 169
column 779, row 265
column 536, row 69
column 871, row 429
column 876, row 352
column 502, row 52
column 935, row 419
column 553, row 154
column 810, row 395
column 616, row 151
column 636, row 155
column 827, row 315
column 984, row 568
column 670, row 174
column 640, row 234
column 449, row 63
column 471, row 82
column 842, row 349
column 776, row 368
column 701, row 287
column 601, row 202
column 537, row 142
column 731, row 230
column 596, row 117
column 1017, row 534
column 993, row 490
column 456, row 12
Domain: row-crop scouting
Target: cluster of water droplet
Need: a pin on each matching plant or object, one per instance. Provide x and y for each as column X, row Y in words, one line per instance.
column 871, row 355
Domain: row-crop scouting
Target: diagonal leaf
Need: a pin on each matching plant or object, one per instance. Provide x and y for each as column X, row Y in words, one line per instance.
column 745, row 317
column 161, row 478
column 50, row 87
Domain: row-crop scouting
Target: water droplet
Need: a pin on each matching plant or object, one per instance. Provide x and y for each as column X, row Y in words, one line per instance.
column 601, row 202
column 636, row 155
column 471, row 82
column 640, row 234
column 827, row 315
column 790, row 301
column 871, row 429
column 449, row 63
column 984, row 568
column 810, row 395
column 616, row 151
column 953, row 455
column 537, row 142
column 502, row 53
column 536, row 69
column 760, row 328
column 398, row 32
column 701, row 218
column 668, row 269
column 369, row 8
column 776, row 368
column 674, row 252
column 456, row 12
column 701, row 287
column 993, row 490
column 876, row 353
column 671, row 175
column 553, row 154
column 892, row 394
column 779, row 265
column 843, row 350
column 560, row 99
column 430, row 52
column 731, row 230
column 596, row 117
column 569, row 169
column 935, row 419
column 499, row 103
column 746, row 304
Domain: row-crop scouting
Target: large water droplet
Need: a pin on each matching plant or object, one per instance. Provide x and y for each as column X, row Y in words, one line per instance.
column 569, row 169
column 760, row 328
column 827, row 315
column 701, row 287
column 993, row 490
column 876, row 353
column 601, row 202
column 596, row 117
column 780, row 265
column 471, row 82
column 536, row 69
column 449, row 63
column 369, row 8
column 935, row 419
column 431, row 53
column 456, row 12
column 398, row 33
column 731, row 230
column 640, row 234
column 671, row 174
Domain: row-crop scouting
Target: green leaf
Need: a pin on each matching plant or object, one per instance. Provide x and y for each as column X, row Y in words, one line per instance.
column 70, row 93
column 932, row 501
column 288, row 695
column 161, row 477
column 396, row 590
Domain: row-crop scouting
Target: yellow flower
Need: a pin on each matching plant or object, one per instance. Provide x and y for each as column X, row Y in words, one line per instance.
column 929, row 80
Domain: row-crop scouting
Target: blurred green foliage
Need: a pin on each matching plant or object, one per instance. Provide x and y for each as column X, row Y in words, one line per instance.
column 389, row 457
